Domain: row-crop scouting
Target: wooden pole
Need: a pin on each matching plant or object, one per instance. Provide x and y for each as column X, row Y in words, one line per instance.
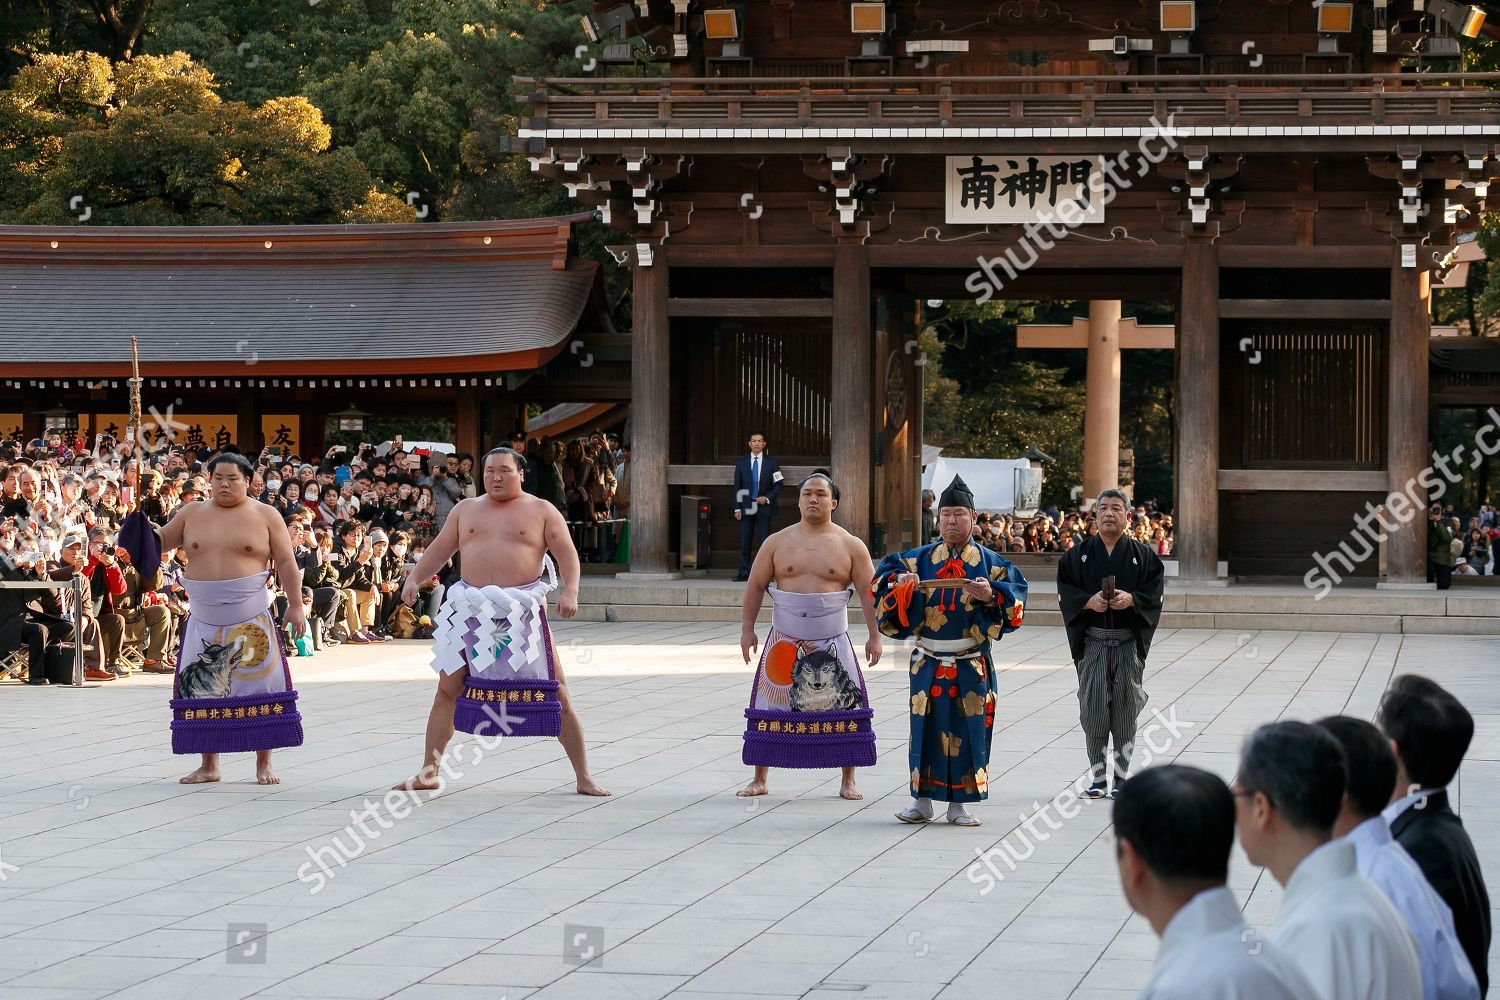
column 853, row 351
column 1101, row 424
column 136, row 449
column 650, row 416
column 1406, row 419
column 1197, row 424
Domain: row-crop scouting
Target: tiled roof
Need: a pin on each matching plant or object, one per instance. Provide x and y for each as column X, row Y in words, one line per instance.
column 351, row 299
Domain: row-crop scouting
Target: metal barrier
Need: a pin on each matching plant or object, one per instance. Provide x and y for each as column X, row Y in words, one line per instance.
column 75, row 584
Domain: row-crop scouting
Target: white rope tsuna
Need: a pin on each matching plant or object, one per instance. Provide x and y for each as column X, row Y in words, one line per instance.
column 503, row 615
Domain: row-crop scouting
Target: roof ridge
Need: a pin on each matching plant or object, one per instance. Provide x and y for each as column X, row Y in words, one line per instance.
column 541, row 239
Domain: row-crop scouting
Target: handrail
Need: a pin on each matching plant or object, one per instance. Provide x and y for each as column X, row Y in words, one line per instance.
column 869, row 81
column 75, row 584
column 838, row 101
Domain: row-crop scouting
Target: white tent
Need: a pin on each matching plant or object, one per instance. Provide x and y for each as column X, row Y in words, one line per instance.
column 991, row 480
column 416, row 447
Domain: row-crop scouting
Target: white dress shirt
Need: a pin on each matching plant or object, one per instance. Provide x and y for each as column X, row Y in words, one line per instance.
column 1208, row 953
column 1446, row 973
column 1344, row 935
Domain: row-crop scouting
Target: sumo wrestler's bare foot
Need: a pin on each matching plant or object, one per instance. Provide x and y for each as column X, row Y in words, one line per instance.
column 846, row 787
column 203, row 775
column 757, row 786
column 421, row 782
column 263, row 773
column 588, row 786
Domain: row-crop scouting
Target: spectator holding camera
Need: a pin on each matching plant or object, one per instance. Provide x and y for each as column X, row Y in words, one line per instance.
column 447, row 491
column 1476, row 550
column 74, row 562
column 148, row 621
column 392, row 557
column 319, row 579
column 352, row 557
column 1439, row 547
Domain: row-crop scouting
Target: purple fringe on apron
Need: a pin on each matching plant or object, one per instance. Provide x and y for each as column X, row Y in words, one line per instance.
column 780, row 737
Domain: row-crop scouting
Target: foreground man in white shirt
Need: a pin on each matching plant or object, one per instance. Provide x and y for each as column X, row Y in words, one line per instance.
column 1446, row 973
column 1174, row 827
column 1335, row 925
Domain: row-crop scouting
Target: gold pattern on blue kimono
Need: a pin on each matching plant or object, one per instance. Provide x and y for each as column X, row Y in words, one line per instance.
column 952, row 735
column 953, row 702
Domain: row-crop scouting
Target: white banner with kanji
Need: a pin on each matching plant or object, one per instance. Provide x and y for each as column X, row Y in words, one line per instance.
column 1011, row 190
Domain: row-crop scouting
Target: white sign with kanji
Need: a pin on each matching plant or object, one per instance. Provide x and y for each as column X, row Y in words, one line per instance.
column 1010, row 190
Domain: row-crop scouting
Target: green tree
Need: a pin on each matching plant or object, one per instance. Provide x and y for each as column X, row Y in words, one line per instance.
column 988, row 398
column 148, row 141
column 403, row 111
column 1030, row 406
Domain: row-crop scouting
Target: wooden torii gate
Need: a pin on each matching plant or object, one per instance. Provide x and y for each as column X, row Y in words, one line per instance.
column 1104, row 334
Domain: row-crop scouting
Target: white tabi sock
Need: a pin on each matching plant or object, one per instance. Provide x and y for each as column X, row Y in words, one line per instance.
column 955, row 810
column 919, row 811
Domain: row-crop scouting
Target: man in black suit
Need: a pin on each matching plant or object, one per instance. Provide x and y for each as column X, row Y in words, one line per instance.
column 757, row 482
column 1430, row 732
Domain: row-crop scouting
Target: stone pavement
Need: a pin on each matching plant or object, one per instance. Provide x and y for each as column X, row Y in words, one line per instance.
column 116, row 881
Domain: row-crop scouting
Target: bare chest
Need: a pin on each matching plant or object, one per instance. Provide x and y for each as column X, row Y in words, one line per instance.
column 493, row 531
column 812, row 568
column 234, row 532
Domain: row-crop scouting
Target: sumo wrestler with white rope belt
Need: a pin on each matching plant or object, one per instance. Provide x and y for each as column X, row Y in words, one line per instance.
column 498, row 673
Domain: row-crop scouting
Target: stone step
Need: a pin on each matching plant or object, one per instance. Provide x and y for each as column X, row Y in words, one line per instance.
column 1284, row 600
column 1470, row 623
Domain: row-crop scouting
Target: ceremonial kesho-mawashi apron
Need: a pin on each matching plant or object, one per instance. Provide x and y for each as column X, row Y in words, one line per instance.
column 233, row 687
column 809, row 707
column 500, row 634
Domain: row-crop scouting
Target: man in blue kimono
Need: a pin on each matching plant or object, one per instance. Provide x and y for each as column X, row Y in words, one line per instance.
column 955, row 598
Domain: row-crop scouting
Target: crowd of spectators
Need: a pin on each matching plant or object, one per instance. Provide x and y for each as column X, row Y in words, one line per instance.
column 358, row 520
column 1054, row 531
column 588, row 479
column 1460, row 543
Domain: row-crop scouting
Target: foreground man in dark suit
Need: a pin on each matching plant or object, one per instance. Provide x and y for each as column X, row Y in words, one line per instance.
column 1430, row 732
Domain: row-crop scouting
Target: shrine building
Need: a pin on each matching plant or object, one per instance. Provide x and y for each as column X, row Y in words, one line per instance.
column 790, row 180
column 257, row 335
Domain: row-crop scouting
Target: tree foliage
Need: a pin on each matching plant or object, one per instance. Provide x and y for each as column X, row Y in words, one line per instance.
column 987, row 398
column 149, row 141
column 198, row 112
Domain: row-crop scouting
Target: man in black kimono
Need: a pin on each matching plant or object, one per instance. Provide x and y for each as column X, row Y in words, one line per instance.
column 1110, row 635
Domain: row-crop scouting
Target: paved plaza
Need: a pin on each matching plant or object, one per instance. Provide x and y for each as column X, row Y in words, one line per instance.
column 115, row 881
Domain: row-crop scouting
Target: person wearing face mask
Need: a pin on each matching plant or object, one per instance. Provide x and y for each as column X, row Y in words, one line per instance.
column 319, row 577
column 391, row 574
column 272, row 491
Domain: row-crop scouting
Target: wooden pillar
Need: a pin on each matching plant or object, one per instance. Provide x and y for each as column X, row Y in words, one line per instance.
column 247, row 422
column 1101, row 423
column 650, row 415
column 466, row 421
column 853, row 350
column 312, row 444
column 1197, row 521
column 917, row 408
column 1406, row 419
column 32, row 403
